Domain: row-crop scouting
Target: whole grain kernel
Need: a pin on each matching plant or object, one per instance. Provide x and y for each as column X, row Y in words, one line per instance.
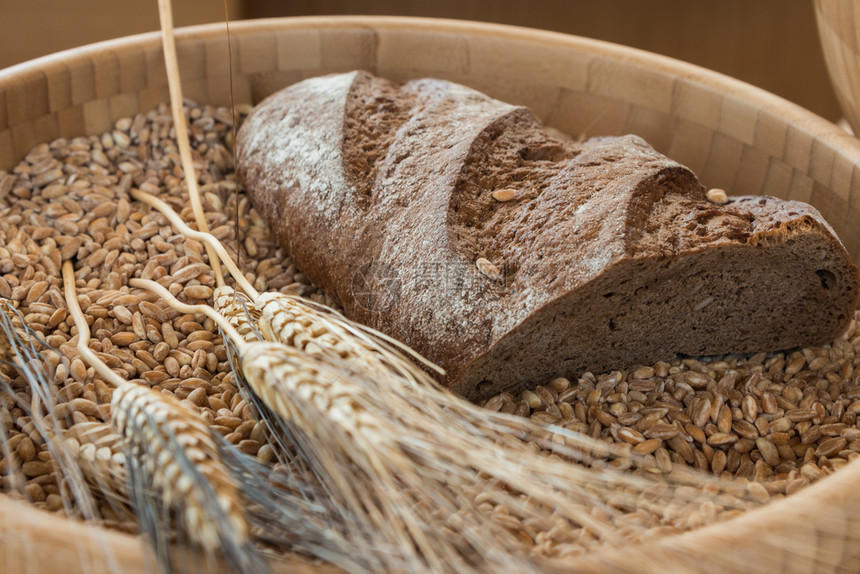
column 124, row 338
column 503, row 195
column 831, row 446
column 722, row 439
column 724, row 419
column 768, row 451
column 718, row 196
column 488, row 269
column 631, row 436
column 696, row 433
column 531, row 399
column 718, row 462
column 197, row 292
column 647, row 446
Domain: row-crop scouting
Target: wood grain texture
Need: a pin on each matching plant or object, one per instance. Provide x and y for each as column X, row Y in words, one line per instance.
column 34, row 541
column 838, row 22
column 730, row 133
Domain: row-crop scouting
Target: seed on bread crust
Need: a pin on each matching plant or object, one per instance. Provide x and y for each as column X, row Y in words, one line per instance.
column 488, row 269
column 717, row 196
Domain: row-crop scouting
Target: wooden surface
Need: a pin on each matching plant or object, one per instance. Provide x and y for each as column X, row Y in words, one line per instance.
column 772, row 44
column 735, row 136
column 814, row 531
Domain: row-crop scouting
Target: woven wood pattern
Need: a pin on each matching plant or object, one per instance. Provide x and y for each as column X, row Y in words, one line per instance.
column 733, row 135
column 816, row 530
column 35, row 542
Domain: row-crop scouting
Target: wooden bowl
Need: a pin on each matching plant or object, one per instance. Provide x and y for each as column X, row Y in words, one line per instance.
column 840, row 40
column 733, row 135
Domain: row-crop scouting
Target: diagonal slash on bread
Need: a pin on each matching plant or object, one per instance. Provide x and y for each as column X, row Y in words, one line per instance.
column 507, row 252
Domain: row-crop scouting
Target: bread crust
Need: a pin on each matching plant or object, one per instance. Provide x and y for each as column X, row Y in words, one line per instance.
column 507, row 252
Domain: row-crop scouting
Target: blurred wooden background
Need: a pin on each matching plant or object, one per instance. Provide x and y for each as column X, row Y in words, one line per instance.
column 769, row 43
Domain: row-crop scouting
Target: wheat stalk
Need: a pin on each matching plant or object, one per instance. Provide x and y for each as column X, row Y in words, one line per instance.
column 165, row 13
column 154, row 424
column 19, row 352
column 176, row 450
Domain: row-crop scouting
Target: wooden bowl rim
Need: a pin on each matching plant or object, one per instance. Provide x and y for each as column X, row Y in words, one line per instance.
column 759, row 98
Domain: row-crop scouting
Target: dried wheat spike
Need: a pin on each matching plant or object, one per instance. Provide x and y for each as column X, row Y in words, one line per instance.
column 239, row 311
column 316, row 329
column 12, row 317
column 367, row 460
column 174, row 444
column 98, row 450
column 270, row 374
column 285, row 320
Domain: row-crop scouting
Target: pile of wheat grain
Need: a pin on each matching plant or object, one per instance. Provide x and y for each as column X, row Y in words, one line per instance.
column 781, row 419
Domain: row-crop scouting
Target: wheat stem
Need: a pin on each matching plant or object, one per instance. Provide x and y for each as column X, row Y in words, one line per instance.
column 206, row 238
column 175, row 87
column 159, row 290
column 84, row 330
column 176, row 447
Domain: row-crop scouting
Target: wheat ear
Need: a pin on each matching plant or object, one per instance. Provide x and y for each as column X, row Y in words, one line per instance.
column 174, row 445
column 239, row 310
column 98, row 449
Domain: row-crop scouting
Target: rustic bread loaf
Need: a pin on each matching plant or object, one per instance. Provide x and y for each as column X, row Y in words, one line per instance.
column 508, row 253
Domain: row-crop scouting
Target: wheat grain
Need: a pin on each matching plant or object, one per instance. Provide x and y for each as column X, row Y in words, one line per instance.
column 488, row 269
column 733, row 414
column 717, row 196
column 503, row 195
